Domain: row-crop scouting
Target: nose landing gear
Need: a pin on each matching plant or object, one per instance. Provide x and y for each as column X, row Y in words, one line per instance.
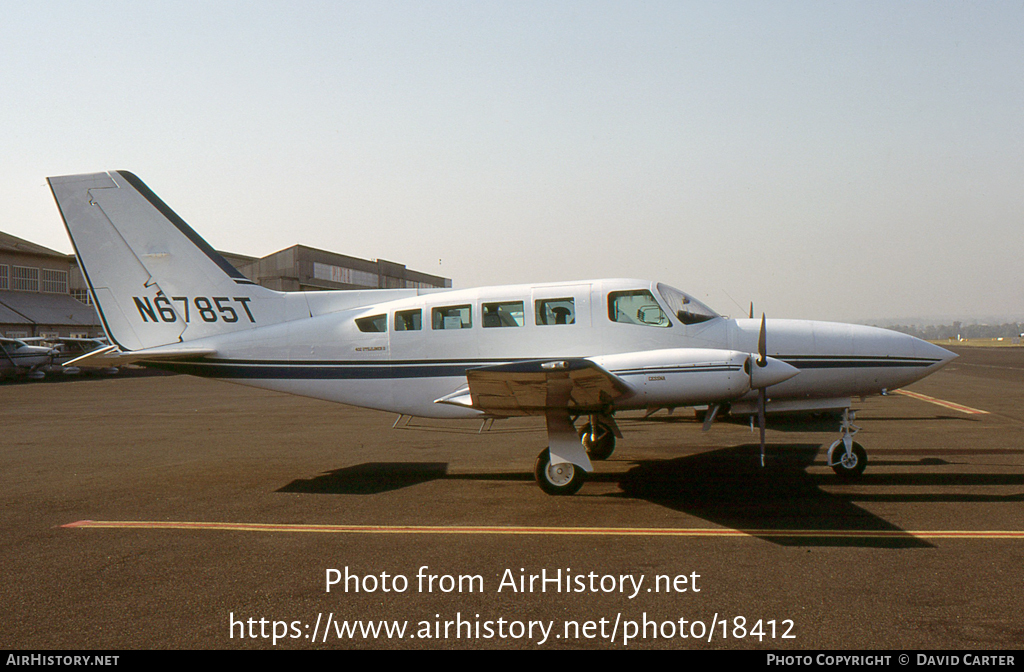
column 851, row 460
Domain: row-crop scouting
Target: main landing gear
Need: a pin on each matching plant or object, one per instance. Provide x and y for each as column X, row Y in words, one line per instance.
column 599, row 443
column 566, row 471
column 564, row 478
column 847, row 457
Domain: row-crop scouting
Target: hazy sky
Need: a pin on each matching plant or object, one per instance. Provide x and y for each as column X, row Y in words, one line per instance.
column 847, row 160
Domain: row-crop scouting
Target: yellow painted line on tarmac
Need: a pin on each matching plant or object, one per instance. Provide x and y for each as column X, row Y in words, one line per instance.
column 557, row 531
column 941, row 402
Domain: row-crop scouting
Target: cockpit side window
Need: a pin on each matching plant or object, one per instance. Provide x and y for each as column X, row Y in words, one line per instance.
column 376, row 323
column 636, row 307
column 556, row 311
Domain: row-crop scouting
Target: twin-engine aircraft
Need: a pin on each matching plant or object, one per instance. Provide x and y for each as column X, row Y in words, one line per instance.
column 564, row 351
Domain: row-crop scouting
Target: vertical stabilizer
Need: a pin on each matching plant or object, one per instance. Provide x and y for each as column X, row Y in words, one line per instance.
column 154, row 279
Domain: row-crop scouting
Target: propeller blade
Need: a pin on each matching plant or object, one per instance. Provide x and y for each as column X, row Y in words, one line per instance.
column 751, row 310
column 762, row 399
column 762, row 395
column 762, row 345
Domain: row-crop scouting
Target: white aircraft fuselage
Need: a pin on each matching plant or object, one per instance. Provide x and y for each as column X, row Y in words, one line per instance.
column 408, row 371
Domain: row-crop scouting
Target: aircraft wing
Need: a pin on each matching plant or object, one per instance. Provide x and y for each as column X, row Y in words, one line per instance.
column 535, row 386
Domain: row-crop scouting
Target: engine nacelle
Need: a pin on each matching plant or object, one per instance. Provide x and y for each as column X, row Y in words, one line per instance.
column 689, row 376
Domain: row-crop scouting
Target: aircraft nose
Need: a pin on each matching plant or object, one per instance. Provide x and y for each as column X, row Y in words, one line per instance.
column 927, row 350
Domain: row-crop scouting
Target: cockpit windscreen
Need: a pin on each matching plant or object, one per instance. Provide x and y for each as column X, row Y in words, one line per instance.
column 686, row 308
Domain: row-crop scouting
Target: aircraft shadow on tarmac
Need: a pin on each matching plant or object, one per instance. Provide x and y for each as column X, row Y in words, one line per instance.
column 828, row 423
column 728, row 487
column 918, row 418
column 370, row 478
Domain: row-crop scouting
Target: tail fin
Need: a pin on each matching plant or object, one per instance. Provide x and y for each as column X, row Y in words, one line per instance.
column 155, row 280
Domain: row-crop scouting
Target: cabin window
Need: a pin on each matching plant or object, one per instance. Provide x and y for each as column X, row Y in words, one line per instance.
column 636, row 307
column 408, row 320
column 504, row 314
column 377, row 323
column 451, row 317
column 556, row 311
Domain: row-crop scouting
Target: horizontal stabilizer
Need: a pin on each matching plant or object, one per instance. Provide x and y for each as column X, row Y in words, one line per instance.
column 112, row 356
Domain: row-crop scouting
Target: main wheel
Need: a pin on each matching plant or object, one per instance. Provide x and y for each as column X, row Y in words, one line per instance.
column 564, row 478
column 853, row 465
column 603, row 447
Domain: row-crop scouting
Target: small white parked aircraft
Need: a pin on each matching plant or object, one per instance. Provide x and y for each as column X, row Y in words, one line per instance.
column 19, row 358
column 561, row 350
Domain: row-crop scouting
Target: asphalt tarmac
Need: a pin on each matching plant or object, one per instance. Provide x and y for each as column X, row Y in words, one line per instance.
column 220, row 513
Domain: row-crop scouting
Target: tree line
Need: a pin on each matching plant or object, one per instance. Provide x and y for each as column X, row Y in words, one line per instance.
column 944, row 332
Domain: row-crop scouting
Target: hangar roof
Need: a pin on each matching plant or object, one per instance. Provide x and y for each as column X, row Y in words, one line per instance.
column 46, row 309
column 8, row 316
column 9, row 243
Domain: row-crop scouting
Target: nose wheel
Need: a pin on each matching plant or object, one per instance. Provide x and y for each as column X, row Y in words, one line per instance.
column 850, row 464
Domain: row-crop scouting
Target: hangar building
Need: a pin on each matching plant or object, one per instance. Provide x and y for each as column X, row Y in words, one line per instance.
column 38, row 290
column 300, row 269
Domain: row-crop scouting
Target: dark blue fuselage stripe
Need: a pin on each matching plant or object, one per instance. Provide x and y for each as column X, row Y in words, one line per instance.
column 674, row 369
column 310, row 372
column 319, row 370
column 812, row 362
